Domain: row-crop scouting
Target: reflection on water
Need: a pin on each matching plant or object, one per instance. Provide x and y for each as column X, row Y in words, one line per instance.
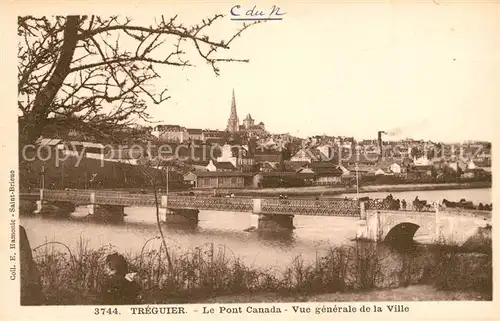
column 312, row 237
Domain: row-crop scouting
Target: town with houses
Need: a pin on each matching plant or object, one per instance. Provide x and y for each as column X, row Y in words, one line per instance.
column 245, row 154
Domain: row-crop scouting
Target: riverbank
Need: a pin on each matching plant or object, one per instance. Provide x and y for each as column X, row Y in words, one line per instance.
column 311, row 191
column 363, row 271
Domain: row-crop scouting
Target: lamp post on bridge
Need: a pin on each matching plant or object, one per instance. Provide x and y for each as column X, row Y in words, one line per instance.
column 167, row 168
column 42, row 182
column 62, row 175
column 357, row 183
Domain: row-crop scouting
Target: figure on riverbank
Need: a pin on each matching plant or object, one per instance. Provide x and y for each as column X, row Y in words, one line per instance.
column 119, row 287
column 31, row 290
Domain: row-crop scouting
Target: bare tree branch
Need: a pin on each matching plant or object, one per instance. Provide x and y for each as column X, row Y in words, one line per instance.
column 81, row 68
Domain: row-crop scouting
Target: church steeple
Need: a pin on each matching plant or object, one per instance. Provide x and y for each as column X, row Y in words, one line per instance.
column 233, row 122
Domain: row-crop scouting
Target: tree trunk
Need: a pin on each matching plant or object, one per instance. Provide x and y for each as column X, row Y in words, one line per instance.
column 35, row 120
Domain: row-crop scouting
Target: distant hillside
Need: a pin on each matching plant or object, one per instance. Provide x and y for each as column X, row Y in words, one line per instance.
column 90, row 174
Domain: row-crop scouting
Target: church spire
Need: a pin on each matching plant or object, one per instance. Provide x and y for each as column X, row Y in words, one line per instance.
column 233, row 122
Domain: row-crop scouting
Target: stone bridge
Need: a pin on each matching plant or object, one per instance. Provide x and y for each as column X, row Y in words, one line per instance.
column 437, row 225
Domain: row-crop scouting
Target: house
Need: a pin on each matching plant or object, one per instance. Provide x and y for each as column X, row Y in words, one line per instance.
column 345, row 171
column 362, row 169
column 190, row 178
column 406, row 162
column 418, row 174
column 220, row 166
column 197, row 166
column 236, row 155
column 483, row 162
column 325, row 173
column 281, row 179
column 327, row 150
column 215, row 136
column 267, row 167
column 50, row 142
column 244, row 159
column 471, row 165
column 395, row 168
column 134, row 155
column 170, row 133
column 459, row 165
column 361, row 159
column 469, row 173
column 222, row 179
column 379, row 171
column 273, row 157
column 73, row 148
column 387, row 166
column 93, row 150
column 47, row 146
column 294, row 166
column 189, row 152
column 194, row 134
column 421, row 161
column 309, row 156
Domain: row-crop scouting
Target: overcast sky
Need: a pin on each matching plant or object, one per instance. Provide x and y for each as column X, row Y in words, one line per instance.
column 426, row 70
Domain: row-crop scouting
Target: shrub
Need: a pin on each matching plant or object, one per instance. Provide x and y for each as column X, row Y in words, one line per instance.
column 207, row 271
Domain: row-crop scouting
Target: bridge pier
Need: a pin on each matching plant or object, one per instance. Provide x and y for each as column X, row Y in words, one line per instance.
column 178, row 216
column 107, row 213
column 372, row 226
column 54, row 208
column 271, row 222
column 362, row 229
column 181, row 216
column 27, row 207
column 275, row 222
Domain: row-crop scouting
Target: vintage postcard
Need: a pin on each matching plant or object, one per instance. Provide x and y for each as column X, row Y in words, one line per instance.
column 262, row 160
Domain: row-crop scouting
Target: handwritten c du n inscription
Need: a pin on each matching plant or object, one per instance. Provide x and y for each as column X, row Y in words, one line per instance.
column 252, row 159
column 256, row 13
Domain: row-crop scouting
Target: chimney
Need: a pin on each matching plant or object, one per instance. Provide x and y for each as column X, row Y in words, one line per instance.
column 380, row 143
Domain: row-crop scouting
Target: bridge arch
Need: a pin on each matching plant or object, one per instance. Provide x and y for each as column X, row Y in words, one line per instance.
column 402, row 233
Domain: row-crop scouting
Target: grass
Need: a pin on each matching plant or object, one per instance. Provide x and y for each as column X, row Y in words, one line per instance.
column 456, row 270
column 209, row 271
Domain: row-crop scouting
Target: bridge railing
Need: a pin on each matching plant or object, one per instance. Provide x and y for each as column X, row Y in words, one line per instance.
column 211, row 203
column 324, row 207
column 333, row 207
column 65, row 195
column 126, row 199
column 385, row 205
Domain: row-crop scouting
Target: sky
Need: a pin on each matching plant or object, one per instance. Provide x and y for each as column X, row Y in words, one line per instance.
column 422, row 69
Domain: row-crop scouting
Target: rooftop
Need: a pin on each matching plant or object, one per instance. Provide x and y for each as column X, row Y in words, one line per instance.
column 362, row 158
column 194, row 131
column 48, row 141
column 222, row 174
column 224, row 165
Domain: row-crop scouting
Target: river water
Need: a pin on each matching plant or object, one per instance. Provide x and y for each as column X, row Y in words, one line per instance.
column 312, row 236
